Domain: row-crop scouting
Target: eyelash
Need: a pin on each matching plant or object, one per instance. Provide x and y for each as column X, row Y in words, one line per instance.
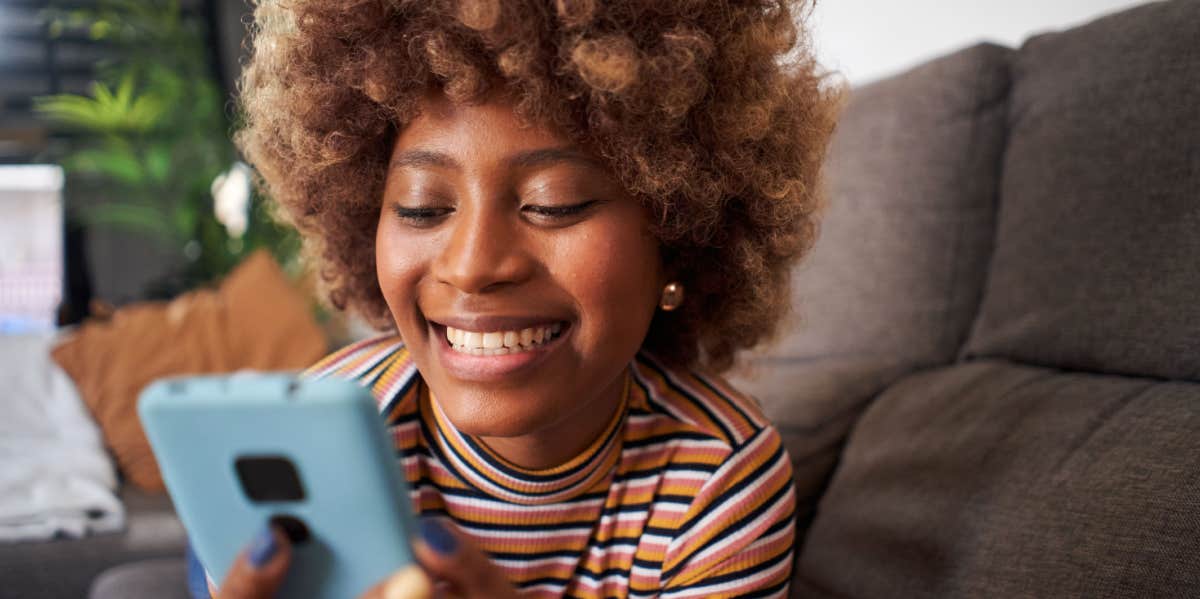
column 560, row 211
column 419, row 215
column 426, row 216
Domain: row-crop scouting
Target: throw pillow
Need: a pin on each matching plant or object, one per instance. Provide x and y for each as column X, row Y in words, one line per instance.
column 254, row 320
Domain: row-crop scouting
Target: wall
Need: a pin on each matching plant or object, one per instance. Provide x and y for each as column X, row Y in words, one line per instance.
column 869, row 39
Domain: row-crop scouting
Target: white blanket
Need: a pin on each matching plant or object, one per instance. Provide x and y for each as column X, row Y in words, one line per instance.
column 56, row 479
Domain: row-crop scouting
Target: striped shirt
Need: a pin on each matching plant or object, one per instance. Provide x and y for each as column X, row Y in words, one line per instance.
column 687, row 493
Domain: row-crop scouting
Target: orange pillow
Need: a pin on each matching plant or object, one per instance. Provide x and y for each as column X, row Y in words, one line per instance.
column 254, row 320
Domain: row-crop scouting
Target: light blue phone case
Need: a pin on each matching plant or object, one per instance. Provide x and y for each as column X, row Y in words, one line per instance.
column 356, row 504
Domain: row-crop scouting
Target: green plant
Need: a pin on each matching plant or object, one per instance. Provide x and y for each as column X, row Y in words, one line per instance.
column 150, row 138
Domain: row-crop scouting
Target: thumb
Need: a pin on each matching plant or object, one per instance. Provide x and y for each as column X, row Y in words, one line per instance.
column 260, row 568
column 451, row 557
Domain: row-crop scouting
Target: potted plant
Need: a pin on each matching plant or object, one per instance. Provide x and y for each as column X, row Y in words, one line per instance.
column 151, row 143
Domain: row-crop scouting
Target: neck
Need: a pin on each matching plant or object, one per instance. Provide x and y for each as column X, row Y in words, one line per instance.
column 558, row 443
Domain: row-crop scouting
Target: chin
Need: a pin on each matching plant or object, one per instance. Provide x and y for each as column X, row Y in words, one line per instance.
column 497, row 414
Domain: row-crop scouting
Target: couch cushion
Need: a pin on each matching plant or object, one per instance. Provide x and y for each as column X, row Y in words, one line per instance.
column 162, row 578
column 1098, row 245
column 894, row 280
column 67, row 567
column 995, row 480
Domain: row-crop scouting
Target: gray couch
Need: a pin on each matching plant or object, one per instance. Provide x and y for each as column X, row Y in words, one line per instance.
column 993, row 387
column 986, row 390
column 65, row 569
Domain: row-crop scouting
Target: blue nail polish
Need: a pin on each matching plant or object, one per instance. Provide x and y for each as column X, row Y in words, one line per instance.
column 263, row 547
column 437, row 537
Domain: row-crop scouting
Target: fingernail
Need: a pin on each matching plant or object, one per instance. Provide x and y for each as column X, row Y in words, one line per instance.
column 434, row 534
column 409, row 583
column 263, row 547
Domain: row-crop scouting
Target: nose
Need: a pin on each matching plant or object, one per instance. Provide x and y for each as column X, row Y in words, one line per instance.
column 484, row 251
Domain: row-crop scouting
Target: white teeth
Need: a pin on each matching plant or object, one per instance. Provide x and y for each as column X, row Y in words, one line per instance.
column 495, row 343
column 493, row 340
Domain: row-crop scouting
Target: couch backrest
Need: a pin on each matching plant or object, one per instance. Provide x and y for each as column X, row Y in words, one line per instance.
column 1097, row 261
column 1039, row 450
column 894, row 281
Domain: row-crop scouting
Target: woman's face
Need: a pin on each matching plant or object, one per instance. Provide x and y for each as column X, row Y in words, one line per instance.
column 494, row 235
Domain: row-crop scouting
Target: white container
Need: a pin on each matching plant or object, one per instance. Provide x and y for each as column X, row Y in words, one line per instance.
column 31, row 246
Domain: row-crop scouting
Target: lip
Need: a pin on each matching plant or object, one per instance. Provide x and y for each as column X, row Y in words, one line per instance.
column 490, row 369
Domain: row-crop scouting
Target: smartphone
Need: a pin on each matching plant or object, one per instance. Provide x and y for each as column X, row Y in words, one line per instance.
column 238, row 451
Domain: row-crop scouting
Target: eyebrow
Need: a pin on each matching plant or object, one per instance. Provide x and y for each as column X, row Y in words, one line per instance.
column 423, row 159
column 549, row 156
column 527, row 159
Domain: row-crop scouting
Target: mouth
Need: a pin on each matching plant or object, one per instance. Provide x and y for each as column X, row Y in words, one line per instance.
column 493, row 355
column 499, row 343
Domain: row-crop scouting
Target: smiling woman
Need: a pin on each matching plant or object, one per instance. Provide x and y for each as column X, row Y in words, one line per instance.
column 495, row 229
column 569, row 216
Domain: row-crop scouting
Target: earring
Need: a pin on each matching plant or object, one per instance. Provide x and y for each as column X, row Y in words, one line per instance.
column 672, row 296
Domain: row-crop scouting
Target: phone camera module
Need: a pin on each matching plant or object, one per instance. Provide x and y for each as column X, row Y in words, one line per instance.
column 295, row 528
column 269, row 478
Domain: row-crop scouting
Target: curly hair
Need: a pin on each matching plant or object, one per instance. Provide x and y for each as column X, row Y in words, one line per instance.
column 712, row 114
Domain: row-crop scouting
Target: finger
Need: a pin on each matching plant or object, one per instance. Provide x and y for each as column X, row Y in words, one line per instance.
column 451, row 557
column 409, row 582
column 260, row 567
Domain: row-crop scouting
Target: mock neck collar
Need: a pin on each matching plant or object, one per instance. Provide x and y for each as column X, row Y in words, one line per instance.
column 482, row 468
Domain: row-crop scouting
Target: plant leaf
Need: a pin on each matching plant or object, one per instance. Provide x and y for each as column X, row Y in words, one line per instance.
column 146, row 111
column 108, row 161
column 102, row 94
column 69, row 109
column 158, row 162
column 124, row 92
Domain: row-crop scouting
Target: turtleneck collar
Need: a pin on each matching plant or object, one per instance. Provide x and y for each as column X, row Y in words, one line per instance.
column 488, row 472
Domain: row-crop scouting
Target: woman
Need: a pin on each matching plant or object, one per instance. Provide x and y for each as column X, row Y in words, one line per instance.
column 569, row 216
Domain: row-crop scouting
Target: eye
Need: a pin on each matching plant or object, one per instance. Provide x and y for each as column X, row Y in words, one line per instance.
column 558, row 213
column 421, row 217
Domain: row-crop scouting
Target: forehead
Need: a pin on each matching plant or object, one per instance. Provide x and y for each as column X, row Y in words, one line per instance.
column 475, row 131
column 488, row 138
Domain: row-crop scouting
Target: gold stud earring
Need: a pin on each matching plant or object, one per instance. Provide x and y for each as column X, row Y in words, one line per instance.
column 672, row 296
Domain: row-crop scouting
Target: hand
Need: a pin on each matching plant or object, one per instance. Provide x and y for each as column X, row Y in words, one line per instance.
column 460, row 568
column 259, row 570
column 449, row 557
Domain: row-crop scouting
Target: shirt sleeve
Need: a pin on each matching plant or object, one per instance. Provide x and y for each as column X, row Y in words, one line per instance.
column 736, row 538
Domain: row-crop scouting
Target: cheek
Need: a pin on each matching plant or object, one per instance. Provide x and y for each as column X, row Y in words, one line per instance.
column 614, row 276
column 398, row 268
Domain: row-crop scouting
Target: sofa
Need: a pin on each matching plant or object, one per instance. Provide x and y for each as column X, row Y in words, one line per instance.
column 151, row 547
column 991, row 383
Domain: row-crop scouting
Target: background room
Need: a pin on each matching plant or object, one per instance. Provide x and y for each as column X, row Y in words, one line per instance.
column 133, row 246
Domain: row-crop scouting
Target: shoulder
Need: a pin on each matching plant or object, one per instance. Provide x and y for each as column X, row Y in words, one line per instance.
column 359, row 358
column 382, row 364
column 735, row 537
column 704, row 403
